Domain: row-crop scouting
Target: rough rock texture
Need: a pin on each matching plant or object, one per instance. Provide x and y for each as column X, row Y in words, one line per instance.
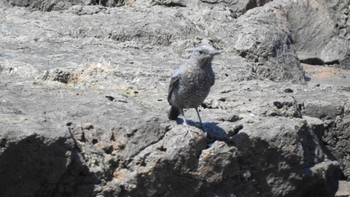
column 45, row 5
column 83, row 98
column 320, row 31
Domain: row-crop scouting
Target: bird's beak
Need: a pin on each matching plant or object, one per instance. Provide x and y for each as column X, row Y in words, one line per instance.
column 215, row 53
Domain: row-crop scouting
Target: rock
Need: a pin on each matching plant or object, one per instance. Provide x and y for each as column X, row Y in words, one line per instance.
column 317, row 125
column 335, row 50
column 285, row 106
column 34, row 159
column 269, row 52
column 218, row 163
column 62, row 76
column 330, row 121
column 323, row 109
column 330, row 170
column 315, row 31
column 237, row 8
column 169, row 3
column 344, row 189
column 179, row 160
column 44, row 5
column 83, row 99
column 336, row 137
column 299, row 154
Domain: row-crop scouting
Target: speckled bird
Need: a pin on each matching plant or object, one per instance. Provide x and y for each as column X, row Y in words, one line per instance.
column 191, row 82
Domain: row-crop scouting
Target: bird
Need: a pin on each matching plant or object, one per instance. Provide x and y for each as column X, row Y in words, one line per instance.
column 191, row 82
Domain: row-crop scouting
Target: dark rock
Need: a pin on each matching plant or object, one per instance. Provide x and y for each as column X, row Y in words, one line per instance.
column 279, row 158
column 34, row 163
column 103, row 72
column 317, row 126
column 336, row 138
column 110, row 98
column 45, row 5
column 288, row 90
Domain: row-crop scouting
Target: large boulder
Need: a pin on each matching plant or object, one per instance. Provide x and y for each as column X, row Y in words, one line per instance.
column 320, row 31
column 33, row 163
column 83, row 103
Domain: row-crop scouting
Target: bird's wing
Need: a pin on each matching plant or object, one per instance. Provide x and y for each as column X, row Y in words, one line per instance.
column 174, row 83
column 213, row 82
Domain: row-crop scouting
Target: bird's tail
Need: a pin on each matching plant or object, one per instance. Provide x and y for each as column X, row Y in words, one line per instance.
column 173, row 113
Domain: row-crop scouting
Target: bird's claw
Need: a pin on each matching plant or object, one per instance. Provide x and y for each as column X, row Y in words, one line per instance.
column 188, row 132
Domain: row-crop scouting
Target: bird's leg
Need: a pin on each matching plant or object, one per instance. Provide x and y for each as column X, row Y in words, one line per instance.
column 188, row 131
column 182, row 116
column 184, row 122
column 199, row 117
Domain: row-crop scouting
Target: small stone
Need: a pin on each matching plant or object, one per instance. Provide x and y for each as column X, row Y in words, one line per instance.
column 110, row 98
column 288, row 90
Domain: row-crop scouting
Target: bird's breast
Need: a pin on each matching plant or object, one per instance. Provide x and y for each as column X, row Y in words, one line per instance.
column 194, row 87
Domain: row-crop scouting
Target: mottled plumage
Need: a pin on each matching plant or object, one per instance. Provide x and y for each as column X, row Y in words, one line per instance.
column 190, row 84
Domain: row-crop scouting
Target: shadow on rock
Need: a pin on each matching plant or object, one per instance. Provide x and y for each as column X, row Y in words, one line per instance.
column 270, row 165
column 214, row 132
column 36, row 166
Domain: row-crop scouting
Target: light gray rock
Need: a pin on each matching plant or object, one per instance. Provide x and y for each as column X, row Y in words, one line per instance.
column 236, row 8
column 344, row 189
column 103, row 72
column 319, row 31
column 335, row 50
column 267, row 48
column 45, row 5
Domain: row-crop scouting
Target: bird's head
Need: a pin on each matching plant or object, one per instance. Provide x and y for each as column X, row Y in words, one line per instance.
column 204, row 54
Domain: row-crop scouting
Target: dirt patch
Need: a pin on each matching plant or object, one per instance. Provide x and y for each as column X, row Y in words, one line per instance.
column 327, row 75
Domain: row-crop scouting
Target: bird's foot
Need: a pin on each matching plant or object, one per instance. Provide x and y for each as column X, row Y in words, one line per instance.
column 188, row 131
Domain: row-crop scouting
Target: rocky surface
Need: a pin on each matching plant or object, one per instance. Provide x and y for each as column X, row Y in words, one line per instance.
column 84, row 85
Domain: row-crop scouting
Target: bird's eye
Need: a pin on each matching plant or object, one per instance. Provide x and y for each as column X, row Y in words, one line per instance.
column 201, row 52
